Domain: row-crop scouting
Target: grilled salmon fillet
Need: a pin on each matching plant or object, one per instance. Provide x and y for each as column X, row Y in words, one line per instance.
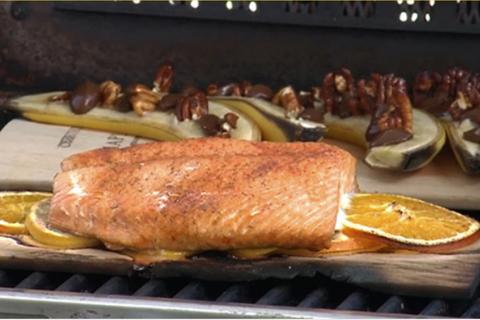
column 211, row 147
column 202, row 203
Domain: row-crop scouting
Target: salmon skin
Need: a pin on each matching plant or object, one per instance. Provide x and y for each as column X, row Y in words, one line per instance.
column 209, row 202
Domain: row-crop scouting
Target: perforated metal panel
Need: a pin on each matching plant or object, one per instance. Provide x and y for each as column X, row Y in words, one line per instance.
column 433, row 16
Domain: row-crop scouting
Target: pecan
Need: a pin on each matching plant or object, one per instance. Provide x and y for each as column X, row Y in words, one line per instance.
column 244, row 86
column 339, row 94
column 142, row 104
column 189, row 90
column 231, row 89
column 110, row 92
column 212, row 89
column 289, row 100
column 142, row 99
column 457, row 92
column 168, row 102
column 192, row 107
column 392, row 119
column 122, row 104
column 136, row 88
column 259, row 91
column 164, row 78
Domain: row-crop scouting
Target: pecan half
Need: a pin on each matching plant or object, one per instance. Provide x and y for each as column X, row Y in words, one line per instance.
column 142, row 99
column 164, row 78
column 110, row 92
column 339, row 94
column 259, row 91
column 212, row 89
column 289, row 100
column 244, row 86
column 455, row 92
column 192, row 107
column 392, row 119
column 231, row 89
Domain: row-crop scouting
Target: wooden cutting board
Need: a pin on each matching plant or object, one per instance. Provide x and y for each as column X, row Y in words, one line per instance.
column 31, row 154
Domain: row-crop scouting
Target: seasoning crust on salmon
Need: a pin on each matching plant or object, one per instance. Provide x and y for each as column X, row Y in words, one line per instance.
column 207, row 202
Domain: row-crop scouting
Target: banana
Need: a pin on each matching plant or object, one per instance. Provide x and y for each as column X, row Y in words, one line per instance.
column 155, row 125
column 271, row 119
column 466, row 152
column 428, row 139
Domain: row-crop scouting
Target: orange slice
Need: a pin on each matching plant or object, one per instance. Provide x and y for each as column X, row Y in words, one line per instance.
column 14, row 207
column 37, row 225
column 342, row 244
column 406, row 220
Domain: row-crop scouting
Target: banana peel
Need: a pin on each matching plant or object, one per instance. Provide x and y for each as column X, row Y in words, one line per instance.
column 428, row 139
column 466, row 152
column 271, row 120
column 155, row 125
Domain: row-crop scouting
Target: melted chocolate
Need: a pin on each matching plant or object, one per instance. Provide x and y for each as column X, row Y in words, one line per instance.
column 472, row 114
column 472, row 135
column 388, row 137
column 210, row 124
column 85, row 97
column 315, row 115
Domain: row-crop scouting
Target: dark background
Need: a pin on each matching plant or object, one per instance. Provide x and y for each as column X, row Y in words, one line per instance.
column 47, row 46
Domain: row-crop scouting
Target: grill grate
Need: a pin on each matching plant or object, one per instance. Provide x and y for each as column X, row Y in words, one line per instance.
column 304, row 293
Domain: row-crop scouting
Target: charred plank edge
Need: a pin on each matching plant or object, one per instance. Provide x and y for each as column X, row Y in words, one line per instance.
column 434, row 275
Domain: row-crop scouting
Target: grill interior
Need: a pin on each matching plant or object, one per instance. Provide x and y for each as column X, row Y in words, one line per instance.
column 305, row 293
column 39, row 52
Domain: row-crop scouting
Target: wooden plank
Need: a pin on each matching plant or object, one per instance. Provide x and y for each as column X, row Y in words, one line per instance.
column 32, row 152
column 453, row 275
column 441, row 182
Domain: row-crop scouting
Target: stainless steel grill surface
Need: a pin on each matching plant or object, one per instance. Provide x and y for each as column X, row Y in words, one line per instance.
column 77, row 295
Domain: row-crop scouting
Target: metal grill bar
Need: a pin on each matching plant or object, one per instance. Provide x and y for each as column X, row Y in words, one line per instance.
column 355, row 301
column 87, row 306
column 280, row 295
column 473, row 311
column 195, row 290
column 153, row 288
column 315, row 299
column 435, row 308
column 237, row 293
column 115, row 285
column 394, row 304
column 36, row 280
column 76, row 283
column 302, row 294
